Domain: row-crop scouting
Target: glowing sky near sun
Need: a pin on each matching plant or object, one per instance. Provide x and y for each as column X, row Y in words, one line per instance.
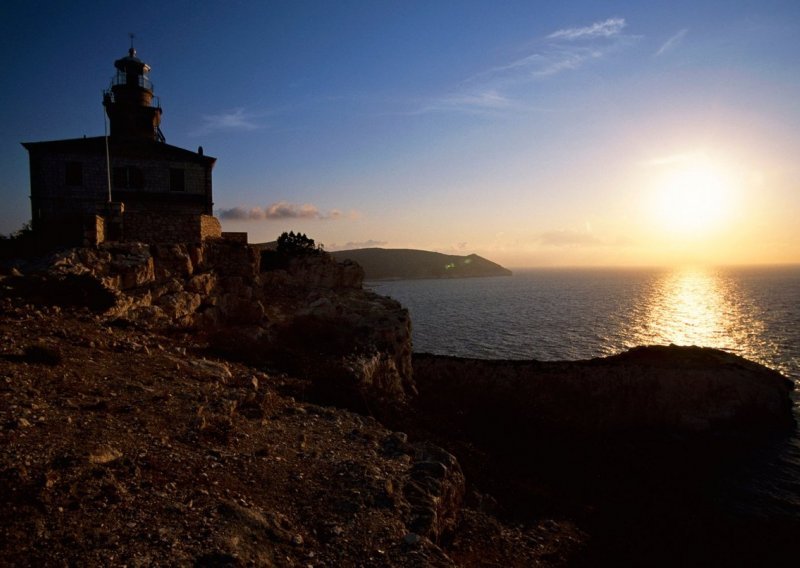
column 582, row 133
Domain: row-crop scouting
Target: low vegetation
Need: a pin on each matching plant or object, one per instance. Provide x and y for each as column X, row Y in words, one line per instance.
column 289, row 245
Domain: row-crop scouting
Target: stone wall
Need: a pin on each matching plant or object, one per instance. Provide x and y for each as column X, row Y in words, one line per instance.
column 169, row 227
column 70, row 182
column 210, row 228
column 94, row 230
column 239, row 237
column 53, row 199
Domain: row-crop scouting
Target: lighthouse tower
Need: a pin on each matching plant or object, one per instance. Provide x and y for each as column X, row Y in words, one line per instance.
column 130, row 105
column 129, row 185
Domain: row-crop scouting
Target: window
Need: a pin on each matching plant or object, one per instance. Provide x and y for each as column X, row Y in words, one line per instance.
column 135, row 178
column 120, row 177
column 127, row 177
column 176, row 180
column 74, row 173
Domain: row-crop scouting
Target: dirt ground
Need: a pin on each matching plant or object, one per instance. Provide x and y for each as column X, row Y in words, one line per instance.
column 127, row 447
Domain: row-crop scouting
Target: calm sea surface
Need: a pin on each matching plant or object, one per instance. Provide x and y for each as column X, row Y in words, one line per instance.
column 557, row 314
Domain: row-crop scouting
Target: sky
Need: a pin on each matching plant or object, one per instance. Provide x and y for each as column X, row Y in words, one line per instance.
column 572, row 133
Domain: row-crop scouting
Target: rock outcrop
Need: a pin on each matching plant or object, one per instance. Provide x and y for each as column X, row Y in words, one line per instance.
column 643, row 393
column 310, row 316
column 649, row 448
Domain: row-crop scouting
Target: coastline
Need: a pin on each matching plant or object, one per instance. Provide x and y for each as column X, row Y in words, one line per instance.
column 202, row 395
column 368, row 281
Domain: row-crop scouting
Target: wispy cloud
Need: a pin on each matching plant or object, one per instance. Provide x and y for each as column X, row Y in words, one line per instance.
column 231, row 120
column 475, row 102
column 370, row 243
column 672, row 42
column 281, row 210
column 557, row 60
column 606, row 28
column 563, row 50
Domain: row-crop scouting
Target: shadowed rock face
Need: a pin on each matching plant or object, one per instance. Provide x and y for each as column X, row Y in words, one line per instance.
column 651, row 450
column 647, row 391
column 309, row 316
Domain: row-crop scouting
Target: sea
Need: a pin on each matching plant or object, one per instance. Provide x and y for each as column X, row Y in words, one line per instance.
column 571, row 314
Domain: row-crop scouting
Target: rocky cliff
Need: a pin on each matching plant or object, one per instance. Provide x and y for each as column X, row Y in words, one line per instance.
column 125, row 440
column 643, row 450
column 645, row 392
column 311, row 316
column 184, row 404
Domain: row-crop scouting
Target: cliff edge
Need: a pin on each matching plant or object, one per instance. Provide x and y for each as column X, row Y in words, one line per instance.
column 193, row 404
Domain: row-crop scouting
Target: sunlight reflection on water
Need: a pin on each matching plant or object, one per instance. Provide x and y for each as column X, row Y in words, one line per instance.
column 706, row 307
column 700, row 307
column 578, row 314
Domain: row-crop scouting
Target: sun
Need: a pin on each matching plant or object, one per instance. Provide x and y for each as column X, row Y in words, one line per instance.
column 691, row 199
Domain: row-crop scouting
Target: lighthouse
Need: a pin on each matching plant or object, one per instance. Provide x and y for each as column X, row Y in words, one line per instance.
column 132, row 109
column 126, row 185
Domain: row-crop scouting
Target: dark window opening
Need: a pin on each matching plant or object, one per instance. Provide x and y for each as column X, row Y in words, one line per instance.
column 177, row 181
column 74, row 173
column 146, row 123
column 119, row 177
column 127, row 177
column 135, row 178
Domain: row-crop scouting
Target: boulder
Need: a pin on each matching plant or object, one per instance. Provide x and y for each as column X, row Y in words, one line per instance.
column 179, row 304
column 435, row 490
column 173, row 260
column 202, row 283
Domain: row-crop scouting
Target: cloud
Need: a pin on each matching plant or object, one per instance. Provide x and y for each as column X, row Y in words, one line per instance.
column 232, row 120
column 371, row 243
column 469, row 102
column 672, row 42
column 556, row 61
column 564, row 50
column 606, row 28
column 558, row 52
column 281, row 210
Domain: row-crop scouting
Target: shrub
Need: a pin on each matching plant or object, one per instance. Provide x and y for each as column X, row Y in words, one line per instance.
column 297, row 244
column 21, row 244
column 290, row 245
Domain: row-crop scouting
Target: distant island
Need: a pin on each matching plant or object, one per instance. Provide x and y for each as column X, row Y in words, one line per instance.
column 401, row 264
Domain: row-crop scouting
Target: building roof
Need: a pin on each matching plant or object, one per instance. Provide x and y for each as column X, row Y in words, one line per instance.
column 127, row 148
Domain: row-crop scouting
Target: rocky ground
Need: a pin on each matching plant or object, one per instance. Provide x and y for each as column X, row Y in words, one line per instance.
column 122, row 446
column 210, row 405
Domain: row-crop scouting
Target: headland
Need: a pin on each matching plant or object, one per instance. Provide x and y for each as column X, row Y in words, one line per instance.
column 203, row 404
column 408, row 264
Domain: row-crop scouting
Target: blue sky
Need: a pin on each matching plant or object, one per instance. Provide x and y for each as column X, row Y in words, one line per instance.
column 533, row 133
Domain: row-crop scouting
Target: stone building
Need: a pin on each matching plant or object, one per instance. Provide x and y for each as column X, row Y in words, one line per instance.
column 129, row 185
